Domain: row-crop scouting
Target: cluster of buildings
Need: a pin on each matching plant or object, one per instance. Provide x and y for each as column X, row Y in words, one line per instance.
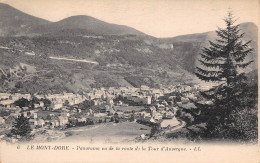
column 58, row 100
column 157, row 114
column 7, row 99
column 99, row 105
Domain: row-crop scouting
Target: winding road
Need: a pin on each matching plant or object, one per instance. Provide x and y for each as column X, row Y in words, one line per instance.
column 181, row 125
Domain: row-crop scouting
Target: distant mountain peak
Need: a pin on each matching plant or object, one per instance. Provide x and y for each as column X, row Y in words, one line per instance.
column 14, row 22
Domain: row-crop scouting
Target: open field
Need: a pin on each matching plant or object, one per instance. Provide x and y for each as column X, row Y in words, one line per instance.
column 44, row 114
column 108, row 132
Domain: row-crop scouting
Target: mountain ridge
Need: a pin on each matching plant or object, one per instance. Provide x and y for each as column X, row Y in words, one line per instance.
column 124, row 55
column 88, row 25
column 14, row 22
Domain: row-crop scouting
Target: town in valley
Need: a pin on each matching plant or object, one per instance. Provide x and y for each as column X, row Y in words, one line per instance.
column 136, row 107
column 87, row 79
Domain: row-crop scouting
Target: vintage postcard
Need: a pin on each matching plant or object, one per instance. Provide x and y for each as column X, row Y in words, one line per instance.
column 129, row 81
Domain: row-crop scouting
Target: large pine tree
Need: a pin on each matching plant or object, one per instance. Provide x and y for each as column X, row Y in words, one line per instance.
column 222, row 63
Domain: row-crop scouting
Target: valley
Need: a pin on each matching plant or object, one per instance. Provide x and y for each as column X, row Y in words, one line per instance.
column 84, row 79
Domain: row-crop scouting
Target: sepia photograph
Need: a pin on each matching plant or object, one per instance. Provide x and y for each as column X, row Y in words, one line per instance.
column 119, row 79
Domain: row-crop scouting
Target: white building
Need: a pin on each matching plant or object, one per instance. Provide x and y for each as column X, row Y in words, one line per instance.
column 56, row 106
column 63, row 120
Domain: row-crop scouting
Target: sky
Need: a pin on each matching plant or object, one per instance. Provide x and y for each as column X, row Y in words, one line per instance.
column 159, row 18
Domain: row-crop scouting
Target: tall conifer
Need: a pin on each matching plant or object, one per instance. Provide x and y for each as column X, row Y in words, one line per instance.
column 21, row 127
column 222, row 63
